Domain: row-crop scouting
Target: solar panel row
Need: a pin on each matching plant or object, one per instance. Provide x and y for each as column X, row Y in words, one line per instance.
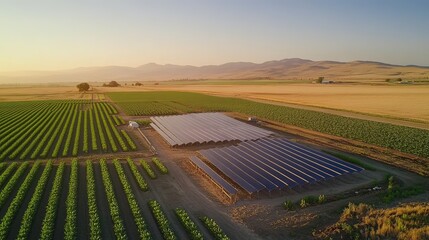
column 228, row 188
column 204, row 128
column 275, row 164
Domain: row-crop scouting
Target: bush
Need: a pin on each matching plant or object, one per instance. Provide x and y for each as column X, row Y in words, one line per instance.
column 304, row 203
column 321, row 199
column 288, row 205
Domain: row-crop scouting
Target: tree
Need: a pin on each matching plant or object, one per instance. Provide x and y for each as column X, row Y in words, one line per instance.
column 83, row 87
column 138, row 84
column 320, row 79
column 112, row 84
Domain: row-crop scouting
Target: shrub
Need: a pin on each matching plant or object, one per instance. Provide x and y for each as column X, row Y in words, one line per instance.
column 288, row 205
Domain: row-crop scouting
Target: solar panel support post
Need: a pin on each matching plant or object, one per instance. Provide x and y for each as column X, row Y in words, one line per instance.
column 151, row 147
column 232, row 198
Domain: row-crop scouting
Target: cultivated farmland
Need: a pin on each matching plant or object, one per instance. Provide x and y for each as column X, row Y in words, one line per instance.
column 405, row 139
column 52, row 129
column 67, row 170
column 85, row 199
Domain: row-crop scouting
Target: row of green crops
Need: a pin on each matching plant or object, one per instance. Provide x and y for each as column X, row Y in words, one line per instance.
column 161, row 220
column 118, row 226
column 214, row 228
column 405, row 139
column 42, row 129
column 30, row 212
column 137, row 176
column 188, row 224
column 14, row 206
column 94, row 219
column 162, row 168
column 6, row 191
column 134, row 206
column 48, row 224
column 7, row 172
column 70, row 228
column 148, row 169
column 64, row 191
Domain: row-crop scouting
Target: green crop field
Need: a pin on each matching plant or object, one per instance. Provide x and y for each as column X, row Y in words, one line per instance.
column 51, row 129
column 405, row 139
column 86, row 200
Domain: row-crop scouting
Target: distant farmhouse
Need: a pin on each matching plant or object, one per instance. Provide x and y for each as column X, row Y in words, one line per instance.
column 326, row 81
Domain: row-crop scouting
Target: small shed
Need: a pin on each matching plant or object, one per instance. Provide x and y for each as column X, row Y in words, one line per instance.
column 252, row 119
column 325, row 81
column 133, row 124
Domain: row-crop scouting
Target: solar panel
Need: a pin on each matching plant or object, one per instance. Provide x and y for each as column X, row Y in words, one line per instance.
column 275, row 163
column 213, row 175
column 203, row 128
column 229, row 173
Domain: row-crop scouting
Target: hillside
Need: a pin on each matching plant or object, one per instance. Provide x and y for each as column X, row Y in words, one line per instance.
column 293, row 68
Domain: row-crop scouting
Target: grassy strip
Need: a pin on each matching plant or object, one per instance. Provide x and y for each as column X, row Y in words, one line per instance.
column 350, row 159
column 306, row 201
column 395, row 191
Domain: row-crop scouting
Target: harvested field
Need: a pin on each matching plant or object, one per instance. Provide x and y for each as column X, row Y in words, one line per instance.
column 395, row 101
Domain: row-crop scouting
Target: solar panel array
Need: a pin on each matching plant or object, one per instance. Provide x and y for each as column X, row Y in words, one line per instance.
column 275, row 163
column 222, row 183
column 179, row 130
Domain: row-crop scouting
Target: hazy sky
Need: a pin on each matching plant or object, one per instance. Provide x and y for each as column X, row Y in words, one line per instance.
column 50, row 35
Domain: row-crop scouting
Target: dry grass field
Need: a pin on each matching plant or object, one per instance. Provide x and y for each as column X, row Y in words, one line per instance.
column 394, row 101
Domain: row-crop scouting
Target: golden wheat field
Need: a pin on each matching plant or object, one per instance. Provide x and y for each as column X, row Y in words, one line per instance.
column 397, row 101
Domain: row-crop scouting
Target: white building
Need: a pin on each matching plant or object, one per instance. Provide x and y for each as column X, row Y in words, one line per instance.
column 133, row 124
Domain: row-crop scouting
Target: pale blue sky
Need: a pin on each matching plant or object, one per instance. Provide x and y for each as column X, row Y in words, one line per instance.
column 49, row 35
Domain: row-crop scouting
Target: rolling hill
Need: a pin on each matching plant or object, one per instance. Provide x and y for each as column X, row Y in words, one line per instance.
column 293, row 68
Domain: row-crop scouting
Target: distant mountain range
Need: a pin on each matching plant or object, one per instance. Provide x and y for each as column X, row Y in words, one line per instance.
column 293, row 68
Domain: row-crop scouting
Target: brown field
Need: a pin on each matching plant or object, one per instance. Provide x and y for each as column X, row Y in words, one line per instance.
column 394, row 101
